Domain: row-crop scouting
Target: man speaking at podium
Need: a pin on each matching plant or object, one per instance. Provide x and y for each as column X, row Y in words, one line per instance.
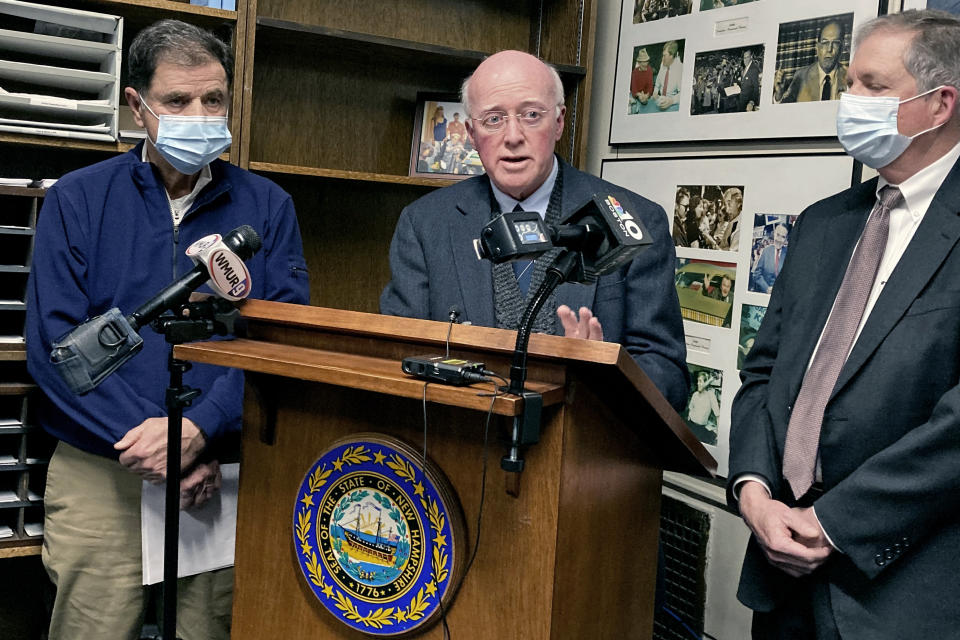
column 112, row 235
column 515, row 108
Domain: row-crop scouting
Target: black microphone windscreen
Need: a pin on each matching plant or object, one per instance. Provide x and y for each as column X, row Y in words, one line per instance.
column 243, row 241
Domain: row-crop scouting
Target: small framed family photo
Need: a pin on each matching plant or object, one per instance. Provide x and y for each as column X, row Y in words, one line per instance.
column 441, row 147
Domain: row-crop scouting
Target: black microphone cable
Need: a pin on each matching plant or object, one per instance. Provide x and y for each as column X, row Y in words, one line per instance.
column 485, row 377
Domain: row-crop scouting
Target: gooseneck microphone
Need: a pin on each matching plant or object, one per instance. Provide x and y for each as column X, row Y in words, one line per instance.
column 93, row 350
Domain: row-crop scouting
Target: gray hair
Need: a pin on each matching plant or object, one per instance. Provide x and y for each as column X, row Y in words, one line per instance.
column 176, row 42
column 733, row 193
column 557, row 90
column 931, row 57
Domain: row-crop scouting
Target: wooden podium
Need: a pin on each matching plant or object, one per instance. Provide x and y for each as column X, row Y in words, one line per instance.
column 573, row 555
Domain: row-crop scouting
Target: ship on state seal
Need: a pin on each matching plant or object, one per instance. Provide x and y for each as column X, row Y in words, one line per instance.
column 366, row 543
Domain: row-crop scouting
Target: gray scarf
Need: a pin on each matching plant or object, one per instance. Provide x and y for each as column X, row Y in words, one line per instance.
column 509, row 302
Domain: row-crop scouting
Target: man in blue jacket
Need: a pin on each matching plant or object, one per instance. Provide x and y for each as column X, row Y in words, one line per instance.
column 112, row 235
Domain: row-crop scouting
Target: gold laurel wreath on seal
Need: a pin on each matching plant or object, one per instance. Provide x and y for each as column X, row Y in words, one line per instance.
column 381, row 617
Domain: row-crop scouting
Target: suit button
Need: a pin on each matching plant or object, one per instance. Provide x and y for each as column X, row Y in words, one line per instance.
column 898, row 548
column 905, row 542
column 879, row 560
column 889, row 554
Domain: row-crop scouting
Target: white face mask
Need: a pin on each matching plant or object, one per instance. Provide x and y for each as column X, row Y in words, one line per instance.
column 189, row 143
column 867, row 128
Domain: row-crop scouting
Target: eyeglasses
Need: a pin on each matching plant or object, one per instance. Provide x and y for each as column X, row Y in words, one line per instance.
column 494, row 121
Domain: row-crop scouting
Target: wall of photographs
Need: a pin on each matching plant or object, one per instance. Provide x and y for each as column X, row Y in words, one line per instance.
column 731, row 70
column 730, row 220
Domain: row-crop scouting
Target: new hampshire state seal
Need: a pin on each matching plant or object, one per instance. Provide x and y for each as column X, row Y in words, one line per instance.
column 379, row 537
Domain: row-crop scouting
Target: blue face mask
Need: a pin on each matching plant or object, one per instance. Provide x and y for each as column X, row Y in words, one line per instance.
column 867, row 128
column 189, row 143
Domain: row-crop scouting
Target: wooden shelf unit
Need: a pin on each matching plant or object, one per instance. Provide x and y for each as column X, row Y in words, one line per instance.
column 34, row 157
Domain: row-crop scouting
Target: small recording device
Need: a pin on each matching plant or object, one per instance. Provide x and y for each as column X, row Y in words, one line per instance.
column 444, row 370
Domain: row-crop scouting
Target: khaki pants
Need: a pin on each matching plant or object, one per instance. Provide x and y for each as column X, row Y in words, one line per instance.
column 91, row 550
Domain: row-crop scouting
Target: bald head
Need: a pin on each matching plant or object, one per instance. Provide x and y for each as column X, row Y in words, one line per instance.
column 515, row 111
column 506, row 67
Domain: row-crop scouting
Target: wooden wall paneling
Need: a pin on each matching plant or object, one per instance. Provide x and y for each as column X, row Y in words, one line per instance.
column 246, row 80
column 316, row 107
column 347, row 226
column 483, row 25
column 568, row 38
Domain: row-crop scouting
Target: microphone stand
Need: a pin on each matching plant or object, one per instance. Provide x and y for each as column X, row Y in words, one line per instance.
column 526, row 426
column 199, row 321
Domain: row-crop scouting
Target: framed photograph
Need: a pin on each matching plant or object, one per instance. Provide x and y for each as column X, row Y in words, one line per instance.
column 750, row 318
column 727, row 214
column 703, row 404
column 953, row 6
column 768, row 249
column 441, row 147
column 691, row 70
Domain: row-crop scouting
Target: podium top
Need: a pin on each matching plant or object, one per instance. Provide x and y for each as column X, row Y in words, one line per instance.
column 364, row 350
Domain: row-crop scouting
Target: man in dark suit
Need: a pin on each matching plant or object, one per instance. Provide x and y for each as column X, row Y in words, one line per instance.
column 749, row 97
column 823, row 79
column 515, row 113
column 845, row 437
column 771, row 259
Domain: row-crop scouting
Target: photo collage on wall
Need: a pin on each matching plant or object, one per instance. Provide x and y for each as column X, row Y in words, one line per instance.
column 730, row 219
column 732, row 70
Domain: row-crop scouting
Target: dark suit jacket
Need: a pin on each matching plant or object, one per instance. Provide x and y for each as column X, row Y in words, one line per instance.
column 805, row 85
column 433, row 266
column 890, row 442
column 749, row 87
column 765, row 271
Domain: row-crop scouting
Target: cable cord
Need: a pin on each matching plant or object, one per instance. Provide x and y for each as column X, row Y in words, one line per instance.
column 423, row 469
column 483, row 482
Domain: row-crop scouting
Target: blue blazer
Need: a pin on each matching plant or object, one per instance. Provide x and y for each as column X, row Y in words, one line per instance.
column 433, row 266
column 890, row 441
column 765, row 271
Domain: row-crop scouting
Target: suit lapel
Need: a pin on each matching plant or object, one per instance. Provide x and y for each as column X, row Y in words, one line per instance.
column 576, row 193
column 474, row 276
column 929, row 247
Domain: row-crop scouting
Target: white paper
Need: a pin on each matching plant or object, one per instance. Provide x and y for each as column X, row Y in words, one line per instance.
column 5, row 531
column 10, row 422
column 8, row 496
column 33, row 528
column 15, row 182
column 6, row 459
column 207, row 533
column 101, row 128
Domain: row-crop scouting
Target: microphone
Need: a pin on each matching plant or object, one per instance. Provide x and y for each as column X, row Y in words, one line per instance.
column 603, row 234
column 227, row 276
column 98, row 347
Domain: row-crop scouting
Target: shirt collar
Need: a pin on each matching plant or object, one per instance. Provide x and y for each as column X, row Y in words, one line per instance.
column 536, row 201
column 206, row 177
column 919, row 189
column 822, row 74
